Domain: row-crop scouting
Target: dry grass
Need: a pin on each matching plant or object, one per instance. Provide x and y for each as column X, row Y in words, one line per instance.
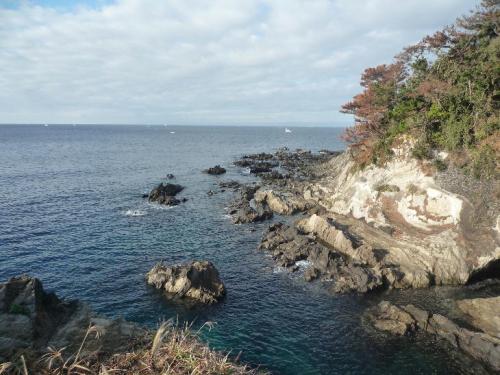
column 173, row 350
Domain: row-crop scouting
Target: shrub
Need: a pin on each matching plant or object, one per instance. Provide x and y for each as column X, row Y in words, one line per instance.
column 443, row 91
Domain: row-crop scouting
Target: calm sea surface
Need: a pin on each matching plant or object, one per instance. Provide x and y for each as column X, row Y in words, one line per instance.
column 71, row 213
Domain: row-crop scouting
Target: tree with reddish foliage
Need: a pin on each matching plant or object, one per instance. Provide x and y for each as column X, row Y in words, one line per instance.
column 443, row 91
column 370, row 107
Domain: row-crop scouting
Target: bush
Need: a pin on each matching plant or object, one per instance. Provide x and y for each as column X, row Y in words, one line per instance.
column 443, row 91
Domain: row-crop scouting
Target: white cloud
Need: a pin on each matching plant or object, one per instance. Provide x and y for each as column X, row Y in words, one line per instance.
column 201, row 62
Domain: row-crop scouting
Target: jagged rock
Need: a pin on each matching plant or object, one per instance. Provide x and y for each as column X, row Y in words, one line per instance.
column 217, row 170
column 288, row 246
column 198, row 280
column 337, row 237
column 32, row 318
column 409, row 320
column 244, row 209
column 281, row 202
column 484, row 313
column 165, row 194
column 390, row 318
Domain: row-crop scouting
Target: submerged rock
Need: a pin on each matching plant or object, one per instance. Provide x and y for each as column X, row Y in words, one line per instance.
column 230, row 184
column 410, row 320
column 165, row 194
column 33, row 319
column 198, row 280
column 217, row 170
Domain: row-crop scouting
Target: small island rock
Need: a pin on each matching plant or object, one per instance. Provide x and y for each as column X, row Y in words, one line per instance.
column 165, row 194
column 198, row 280
column 217, row 170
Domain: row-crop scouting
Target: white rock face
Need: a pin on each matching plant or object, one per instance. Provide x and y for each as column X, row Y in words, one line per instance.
column 429, row 235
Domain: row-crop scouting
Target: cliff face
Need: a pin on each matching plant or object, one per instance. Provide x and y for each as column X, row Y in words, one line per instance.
column 438, row 227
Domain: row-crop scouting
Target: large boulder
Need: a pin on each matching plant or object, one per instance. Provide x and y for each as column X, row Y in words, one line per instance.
column 31, row 318
column 484, row 313
column 198, row 281
column 390, row 318
column 165, row 194
column 283, row 203
column 245, row 209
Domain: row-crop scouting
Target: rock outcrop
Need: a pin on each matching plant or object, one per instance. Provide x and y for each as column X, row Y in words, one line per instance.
column 198, row 281
column 409, row 320
column 33, row 319
column 290, row 248
column 217, row 170
column 282, row 203
column 245, row 209
column 437, row 227
column 165, row 194
column 484, row 313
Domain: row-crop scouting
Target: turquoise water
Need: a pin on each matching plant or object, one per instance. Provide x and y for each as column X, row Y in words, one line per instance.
column 68, row 196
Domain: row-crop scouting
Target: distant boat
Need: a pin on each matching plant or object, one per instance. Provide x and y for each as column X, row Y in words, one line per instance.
column 45, row 124
column 287, row 130
column 172, row 132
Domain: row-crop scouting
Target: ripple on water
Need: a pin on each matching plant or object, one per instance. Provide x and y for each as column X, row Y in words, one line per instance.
column 64, row 197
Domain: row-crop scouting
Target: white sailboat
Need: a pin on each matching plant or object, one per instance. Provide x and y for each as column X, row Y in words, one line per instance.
column 287, row 130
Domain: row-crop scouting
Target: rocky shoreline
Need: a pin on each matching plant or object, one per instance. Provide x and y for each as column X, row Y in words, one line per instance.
column 350, row 230
column 31, row 318
column 365, row 230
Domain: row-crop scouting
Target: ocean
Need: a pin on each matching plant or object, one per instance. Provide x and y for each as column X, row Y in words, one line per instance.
column 72, row 214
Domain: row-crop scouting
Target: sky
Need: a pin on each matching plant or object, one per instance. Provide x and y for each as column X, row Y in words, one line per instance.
column 200, row 62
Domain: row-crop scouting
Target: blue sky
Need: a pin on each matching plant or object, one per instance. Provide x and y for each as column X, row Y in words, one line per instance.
column 200, row 62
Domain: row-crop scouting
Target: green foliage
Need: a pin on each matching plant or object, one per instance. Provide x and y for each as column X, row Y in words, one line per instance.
column 440, row 165
column 422, row 150
column 483, row 162
column 444, row 91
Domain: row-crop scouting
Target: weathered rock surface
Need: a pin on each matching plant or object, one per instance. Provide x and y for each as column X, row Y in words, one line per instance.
column 165, row 194
column 484, row 313
column 217, row 170
column 433, row 225
column 31, row 318
column 410, row 320
column 288, row 246
column 283, row 203
column 244, row 208
column 198, row 281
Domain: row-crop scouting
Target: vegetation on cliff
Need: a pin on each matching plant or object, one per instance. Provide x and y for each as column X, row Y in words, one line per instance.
column 443, row 91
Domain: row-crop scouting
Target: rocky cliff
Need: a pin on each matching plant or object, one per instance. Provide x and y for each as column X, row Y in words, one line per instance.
column 438, row 227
